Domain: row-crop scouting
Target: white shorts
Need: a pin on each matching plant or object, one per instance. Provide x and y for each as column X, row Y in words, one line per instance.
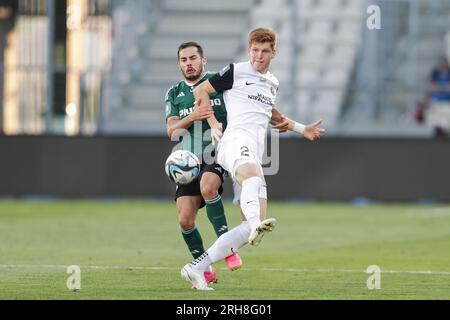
column 237, row 148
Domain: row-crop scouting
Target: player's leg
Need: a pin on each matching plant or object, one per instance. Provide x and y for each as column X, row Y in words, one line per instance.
column 253, row 199
column 187, row 207
column 226, row 245
column 187, row 211
column 267, row 225
column 210, row 183
column 229, row 243
column 248, row 176
column 241, row 157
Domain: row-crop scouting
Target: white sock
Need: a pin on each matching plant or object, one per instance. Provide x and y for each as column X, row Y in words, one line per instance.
column 229, row 242
column 250, row 201
column 202, row 263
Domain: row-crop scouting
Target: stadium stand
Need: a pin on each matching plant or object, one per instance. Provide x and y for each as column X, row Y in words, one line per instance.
column 319, row 40
column 344, row 72
column 321, row 48
column 394, row 64
column 137, row 105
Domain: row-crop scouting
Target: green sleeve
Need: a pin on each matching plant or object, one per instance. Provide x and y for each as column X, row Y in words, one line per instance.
column 171, row 108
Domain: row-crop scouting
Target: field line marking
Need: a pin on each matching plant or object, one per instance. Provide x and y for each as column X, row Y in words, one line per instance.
column 55, row 266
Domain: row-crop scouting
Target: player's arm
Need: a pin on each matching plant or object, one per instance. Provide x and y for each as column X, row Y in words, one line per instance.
column 279, row 121
column 200, row 113
column 201, row 95
column 220, row 82
column 310, row 131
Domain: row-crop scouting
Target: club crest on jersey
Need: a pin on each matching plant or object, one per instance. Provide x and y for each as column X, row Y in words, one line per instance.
column 273, row 91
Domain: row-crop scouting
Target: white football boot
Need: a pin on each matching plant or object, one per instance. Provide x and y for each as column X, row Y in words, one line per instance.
column 197, row 279
column 266, row 226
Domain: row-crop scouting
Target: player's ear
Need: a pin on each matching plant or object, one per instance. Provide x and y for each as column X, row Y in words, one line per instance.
column 204, row 61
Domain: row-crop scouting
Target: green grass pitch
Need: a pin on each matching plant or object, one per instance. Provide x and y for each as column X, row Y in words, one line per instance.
column 134, row 250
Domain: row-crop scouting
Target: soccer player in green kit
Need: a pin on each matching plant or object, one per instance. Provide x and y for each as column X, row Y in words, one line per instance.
column 181, row 115
column 184, row 114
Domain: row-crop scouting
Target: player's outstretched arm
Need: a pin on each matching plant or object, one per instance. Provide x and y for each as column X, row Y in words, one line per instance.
column 282, row 123
column 311, row 131
column 201, row 93
column 279, row 121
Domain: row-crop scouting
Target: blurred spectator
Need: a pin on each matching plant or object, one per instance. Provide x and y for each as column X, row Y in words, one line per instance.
column 8, row 11
column 440, row 82
column 437, row 115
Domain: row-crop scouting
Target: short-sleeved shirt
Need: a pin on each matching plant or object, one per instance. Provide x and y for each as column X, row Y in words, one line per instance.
column 248, row 94
column 180, row 103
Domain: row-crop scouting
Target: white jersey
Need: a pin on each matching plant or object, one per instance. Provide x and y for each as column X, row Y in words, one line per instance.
column 249, row 97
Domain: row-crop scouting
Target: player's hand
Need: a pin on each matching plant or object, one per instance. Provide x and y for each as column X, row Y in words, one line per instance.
column 201, row 111
column 313, row 132
column 282, row 126
column 216, row 133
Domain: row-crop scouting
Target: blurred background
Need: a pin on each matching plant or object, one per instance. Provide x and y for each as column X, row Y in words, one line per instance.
column 83, row 83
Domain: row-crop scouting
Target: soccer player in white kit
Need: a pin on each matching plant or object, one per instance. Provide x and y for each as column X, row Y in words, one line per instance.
column 249, row 91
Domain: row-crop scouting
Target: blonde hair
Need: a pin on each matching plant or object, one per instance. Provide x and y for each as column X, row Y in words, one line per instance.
column 262, row 35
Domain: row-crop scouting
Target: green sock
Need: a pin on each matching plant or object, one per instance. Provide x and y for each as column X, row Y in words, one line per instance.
column 194, row 242
column 216, row 214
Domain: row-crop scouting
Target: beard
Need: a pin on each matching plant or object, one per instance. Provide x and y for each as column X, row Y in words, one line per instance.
column 194, row 77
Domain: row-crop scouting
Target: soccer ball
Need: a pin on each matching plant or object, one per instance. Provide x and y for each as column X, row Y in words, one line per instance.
column 182, row 167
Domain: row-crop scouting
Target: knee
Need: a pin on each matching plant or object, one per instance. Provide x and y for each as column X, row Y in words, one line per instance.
column 186, row 221
column 247, row 171
column 208, row 192
column 208, row 188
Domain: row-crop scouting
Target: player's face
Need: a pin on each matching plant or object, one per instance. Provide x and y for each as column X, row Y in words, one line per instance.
column 260, row 55
column 192, row 65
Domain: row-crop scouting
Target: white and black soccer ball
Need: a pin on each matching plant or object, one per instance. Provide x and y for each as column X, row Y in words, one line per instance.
column 182, row 167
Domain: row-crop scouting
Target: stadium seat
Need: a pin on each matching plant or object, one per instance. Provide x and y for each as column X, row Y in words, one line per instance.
column 200, row 24
column 303, row 106
column 327, row 9
column 352, row 9
column 335, row 78
column 342, row 55
column 208, row 6
column 319, row 32
column 348, row 32
column 314, row 54
column 308, row 78
column 327, row 107
column 219, row 48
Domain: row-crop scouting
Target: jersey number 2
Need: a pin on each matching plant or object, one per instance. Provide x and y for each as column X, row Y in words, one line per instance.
column 244, row 152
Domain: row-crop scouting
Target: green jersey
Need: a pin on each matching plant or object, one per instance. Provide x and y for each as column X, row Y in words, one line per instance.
column 180, row 103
